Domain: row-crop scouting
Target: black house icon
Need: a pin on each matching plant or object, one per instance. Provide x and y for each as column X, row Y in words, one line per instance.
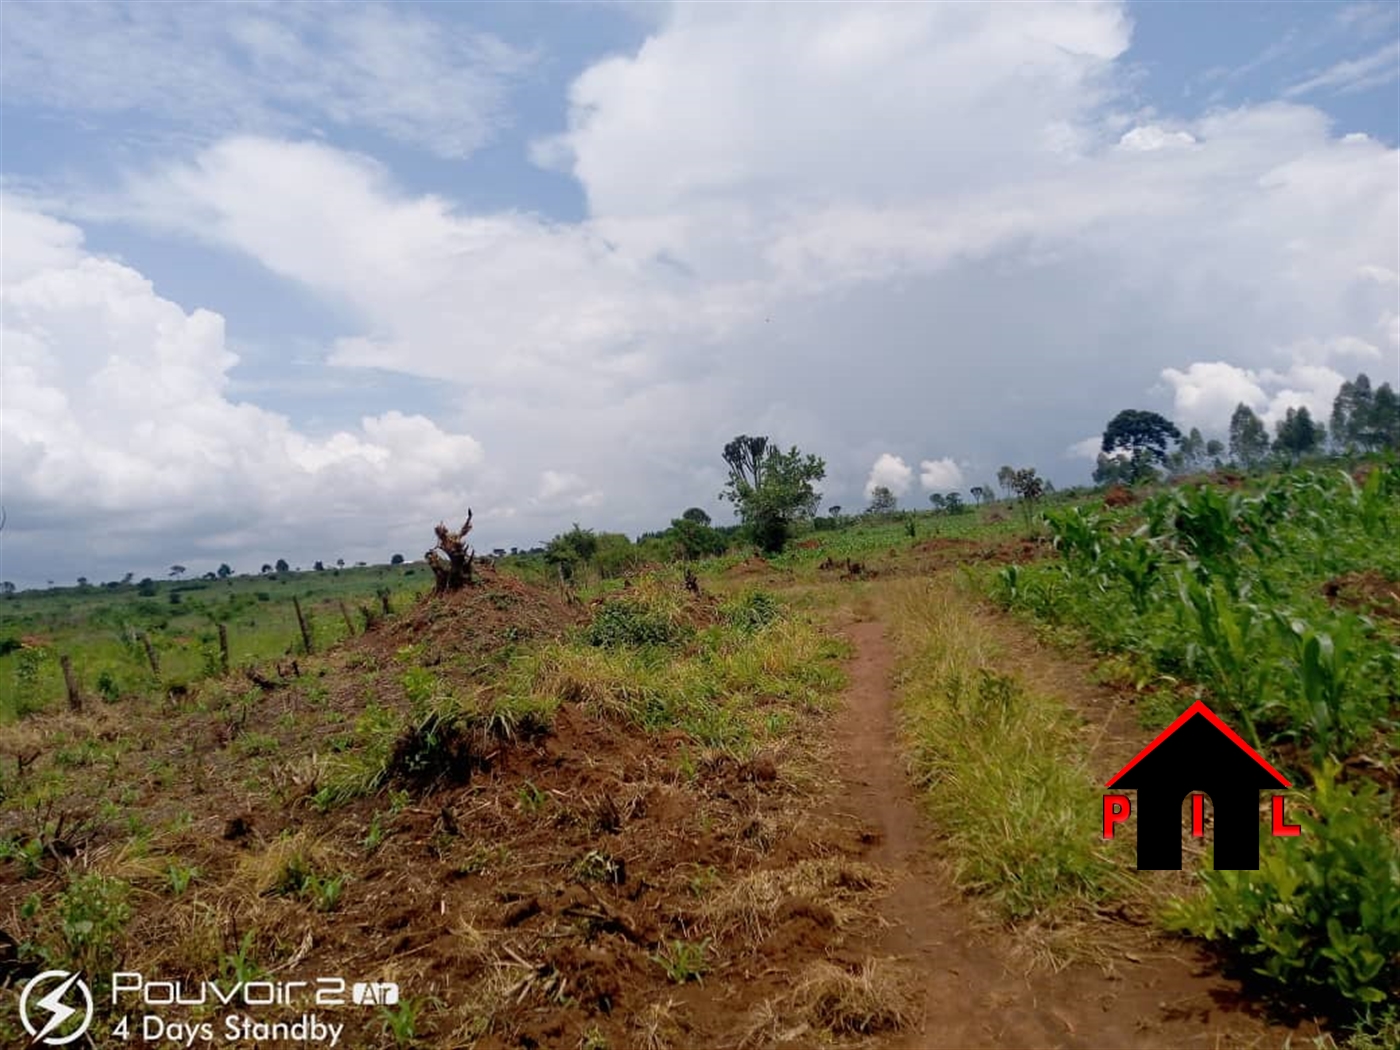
column 1198, row 752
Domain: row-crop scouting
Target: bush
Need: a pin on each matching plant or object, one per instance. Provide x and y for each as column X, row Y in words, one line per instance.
column 753, row 611
column 1321, row 916
column 629, row 623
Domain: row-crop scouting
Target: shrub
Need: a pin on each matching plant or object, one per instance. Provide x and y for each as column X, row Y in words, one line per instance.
column 753, row 611
column 630, row 623
column 1320, row 919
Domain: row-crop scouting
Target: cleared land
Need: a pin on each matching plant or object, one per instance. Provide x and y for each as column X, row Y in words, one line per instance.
column 838, row 797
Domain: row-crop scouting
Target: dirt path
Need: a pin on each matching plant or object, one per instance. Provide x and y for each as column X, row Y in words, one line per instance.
column 1158, row 996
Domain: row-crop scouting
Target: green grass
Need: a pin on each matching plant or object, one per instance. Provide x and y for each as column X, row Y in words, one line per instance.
column 1002, row 768
column 99, row 628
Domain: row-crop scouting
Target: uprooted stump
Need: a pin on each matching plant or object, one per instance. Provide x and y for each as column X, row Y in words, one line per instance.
column 451, row 559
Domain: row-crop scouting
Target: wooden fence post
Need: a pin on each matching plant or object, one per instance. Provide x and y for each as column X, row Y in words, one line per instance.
column 223, row 648
column 75, row 698
column 301, row 621
column 349, row 624
column 151, row 654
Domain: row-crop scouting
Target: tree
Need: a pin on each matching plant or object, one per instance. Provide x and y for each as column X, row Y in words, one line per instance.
column 1005, row 476
column 451, row 558
column 771, row 490
column 128, row 578
column 696, row 515
column 397, row 559
column 571, row 549
column 1029, row 487
column 1296, row 435
column 882, row 501
column 696, row 539
column 1249, row 441
column 318, row 566
column 282, row 565
column 1385, row 418
column 340, row 563
column 953, row 504
column 1191, row 456
column 1143, row 437
column 7, row 588
column 1352, row 412
column 979, row 494
column 176, row 571
column 938, row 500
column 224, row 571
column 146, row 588
column 266, row 568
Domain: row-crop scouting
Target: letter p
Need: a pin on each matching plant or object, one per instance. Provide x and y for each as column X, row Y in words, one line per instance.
column 1116, row 809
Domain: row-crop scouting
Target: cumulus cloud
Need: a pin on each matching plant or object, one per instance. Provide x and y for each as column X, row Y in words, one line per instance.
column 116, row 409
column 940, row 475
column 215, row 68
column 1088, row 449
column 891, row 472
column 944, row 194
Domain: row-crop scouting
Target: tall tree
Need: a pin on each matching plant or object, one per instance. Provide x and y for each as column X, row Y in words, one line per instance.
column 225, row 571
column 882, row 501
column 1135, row 432
column 1385, row 418
column 1296, row 435
column 282, row 565
column 1005, row 476
column 771, row 490
column 697, row 515
column 1249, row 440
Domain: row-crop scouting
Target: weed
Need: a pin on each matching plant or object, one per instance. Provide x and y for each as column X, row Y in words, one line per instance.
column 179, row 877
column 683, row 960
column 401, row 1021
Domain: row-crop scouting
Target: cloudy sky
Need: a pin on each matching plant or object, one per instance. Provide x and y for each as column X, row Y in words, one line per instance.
column 299, row 281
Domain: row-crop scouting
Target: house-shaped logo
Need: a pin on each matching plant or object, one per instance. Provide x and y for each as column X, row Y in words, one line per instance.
column 1197, row 755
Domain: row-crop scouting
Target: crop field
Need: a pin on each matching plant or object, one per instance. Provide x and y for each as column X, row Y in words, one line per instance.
column 846, row 795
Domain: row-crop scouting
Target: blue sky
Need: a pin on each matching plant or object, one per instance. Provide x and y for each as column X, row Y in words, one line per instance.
column 272, row 269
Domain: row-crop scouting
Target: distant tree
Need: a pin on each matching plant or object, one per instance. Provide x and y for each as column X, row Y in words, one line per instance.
column 128, row 578
column 7, row 588
column 1191, row 456
column 176, row 571
column 938, row 500
column 1352, row 415
column 340, row 563
column 146, row 588
column 1142, row 438
column 696, row 539
column 224, row 571
column 1029, row 488
column 282, row 565
column 318, row 566
column 397, row 559
column 82, row 581
column 571, row 549
column 834, row 510
column 1249, row 440
column 1215, row 448
column 1005, row 477
column 979, row 494
column 209, row 576
column 498, row 552
column 1296, row 435
column 953, row 503
column 882, row 501
column 696, row 515
column 1385, row 418
column 266, row 568
column 771, row 490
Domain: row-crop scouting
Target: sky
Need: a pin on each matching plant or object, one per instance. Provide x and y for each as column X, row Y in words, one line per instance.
column 294, row 280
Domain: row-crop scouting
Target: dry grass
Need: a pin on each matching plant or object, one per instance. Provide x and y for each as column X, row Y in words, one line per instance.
column 879, row 996
column 751, row 903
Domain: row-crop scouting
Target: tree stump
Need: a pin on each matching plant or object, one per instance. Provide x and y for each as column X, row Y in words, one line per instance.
column 451, row 559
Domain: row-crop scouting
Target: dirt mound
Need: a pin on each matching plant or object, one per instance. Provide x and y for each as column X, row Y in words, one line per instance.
column 943, row 543
column 754, row 566
column 1119, row 496
column 1368, row 592
column 496, row 610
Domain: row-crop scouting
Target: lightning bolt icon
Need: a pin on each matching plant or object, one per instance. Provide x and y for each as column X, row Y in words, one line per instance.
column 53, row 1003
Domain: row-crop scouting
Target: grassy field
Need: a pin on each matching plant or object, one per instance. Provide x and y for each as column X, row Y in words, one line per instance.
column 466, row 794
column 100, row 629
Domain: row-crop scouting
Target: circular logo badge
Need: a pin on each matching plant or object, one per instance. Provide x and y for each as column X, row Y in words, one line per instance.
column 54, row 1010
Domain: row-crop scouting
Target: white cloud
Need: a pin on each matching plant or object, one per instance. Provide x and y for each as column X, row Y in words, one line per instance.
column 940, row 475
column 212, row 68
column 116, row 408
column 1372, row 70
column 1088, row 449
column 891, row 472
column 813, row 222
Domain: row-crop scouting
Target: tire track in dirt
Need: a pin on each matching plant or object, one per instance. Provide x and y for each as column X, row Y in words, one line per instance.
column 969, row 994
